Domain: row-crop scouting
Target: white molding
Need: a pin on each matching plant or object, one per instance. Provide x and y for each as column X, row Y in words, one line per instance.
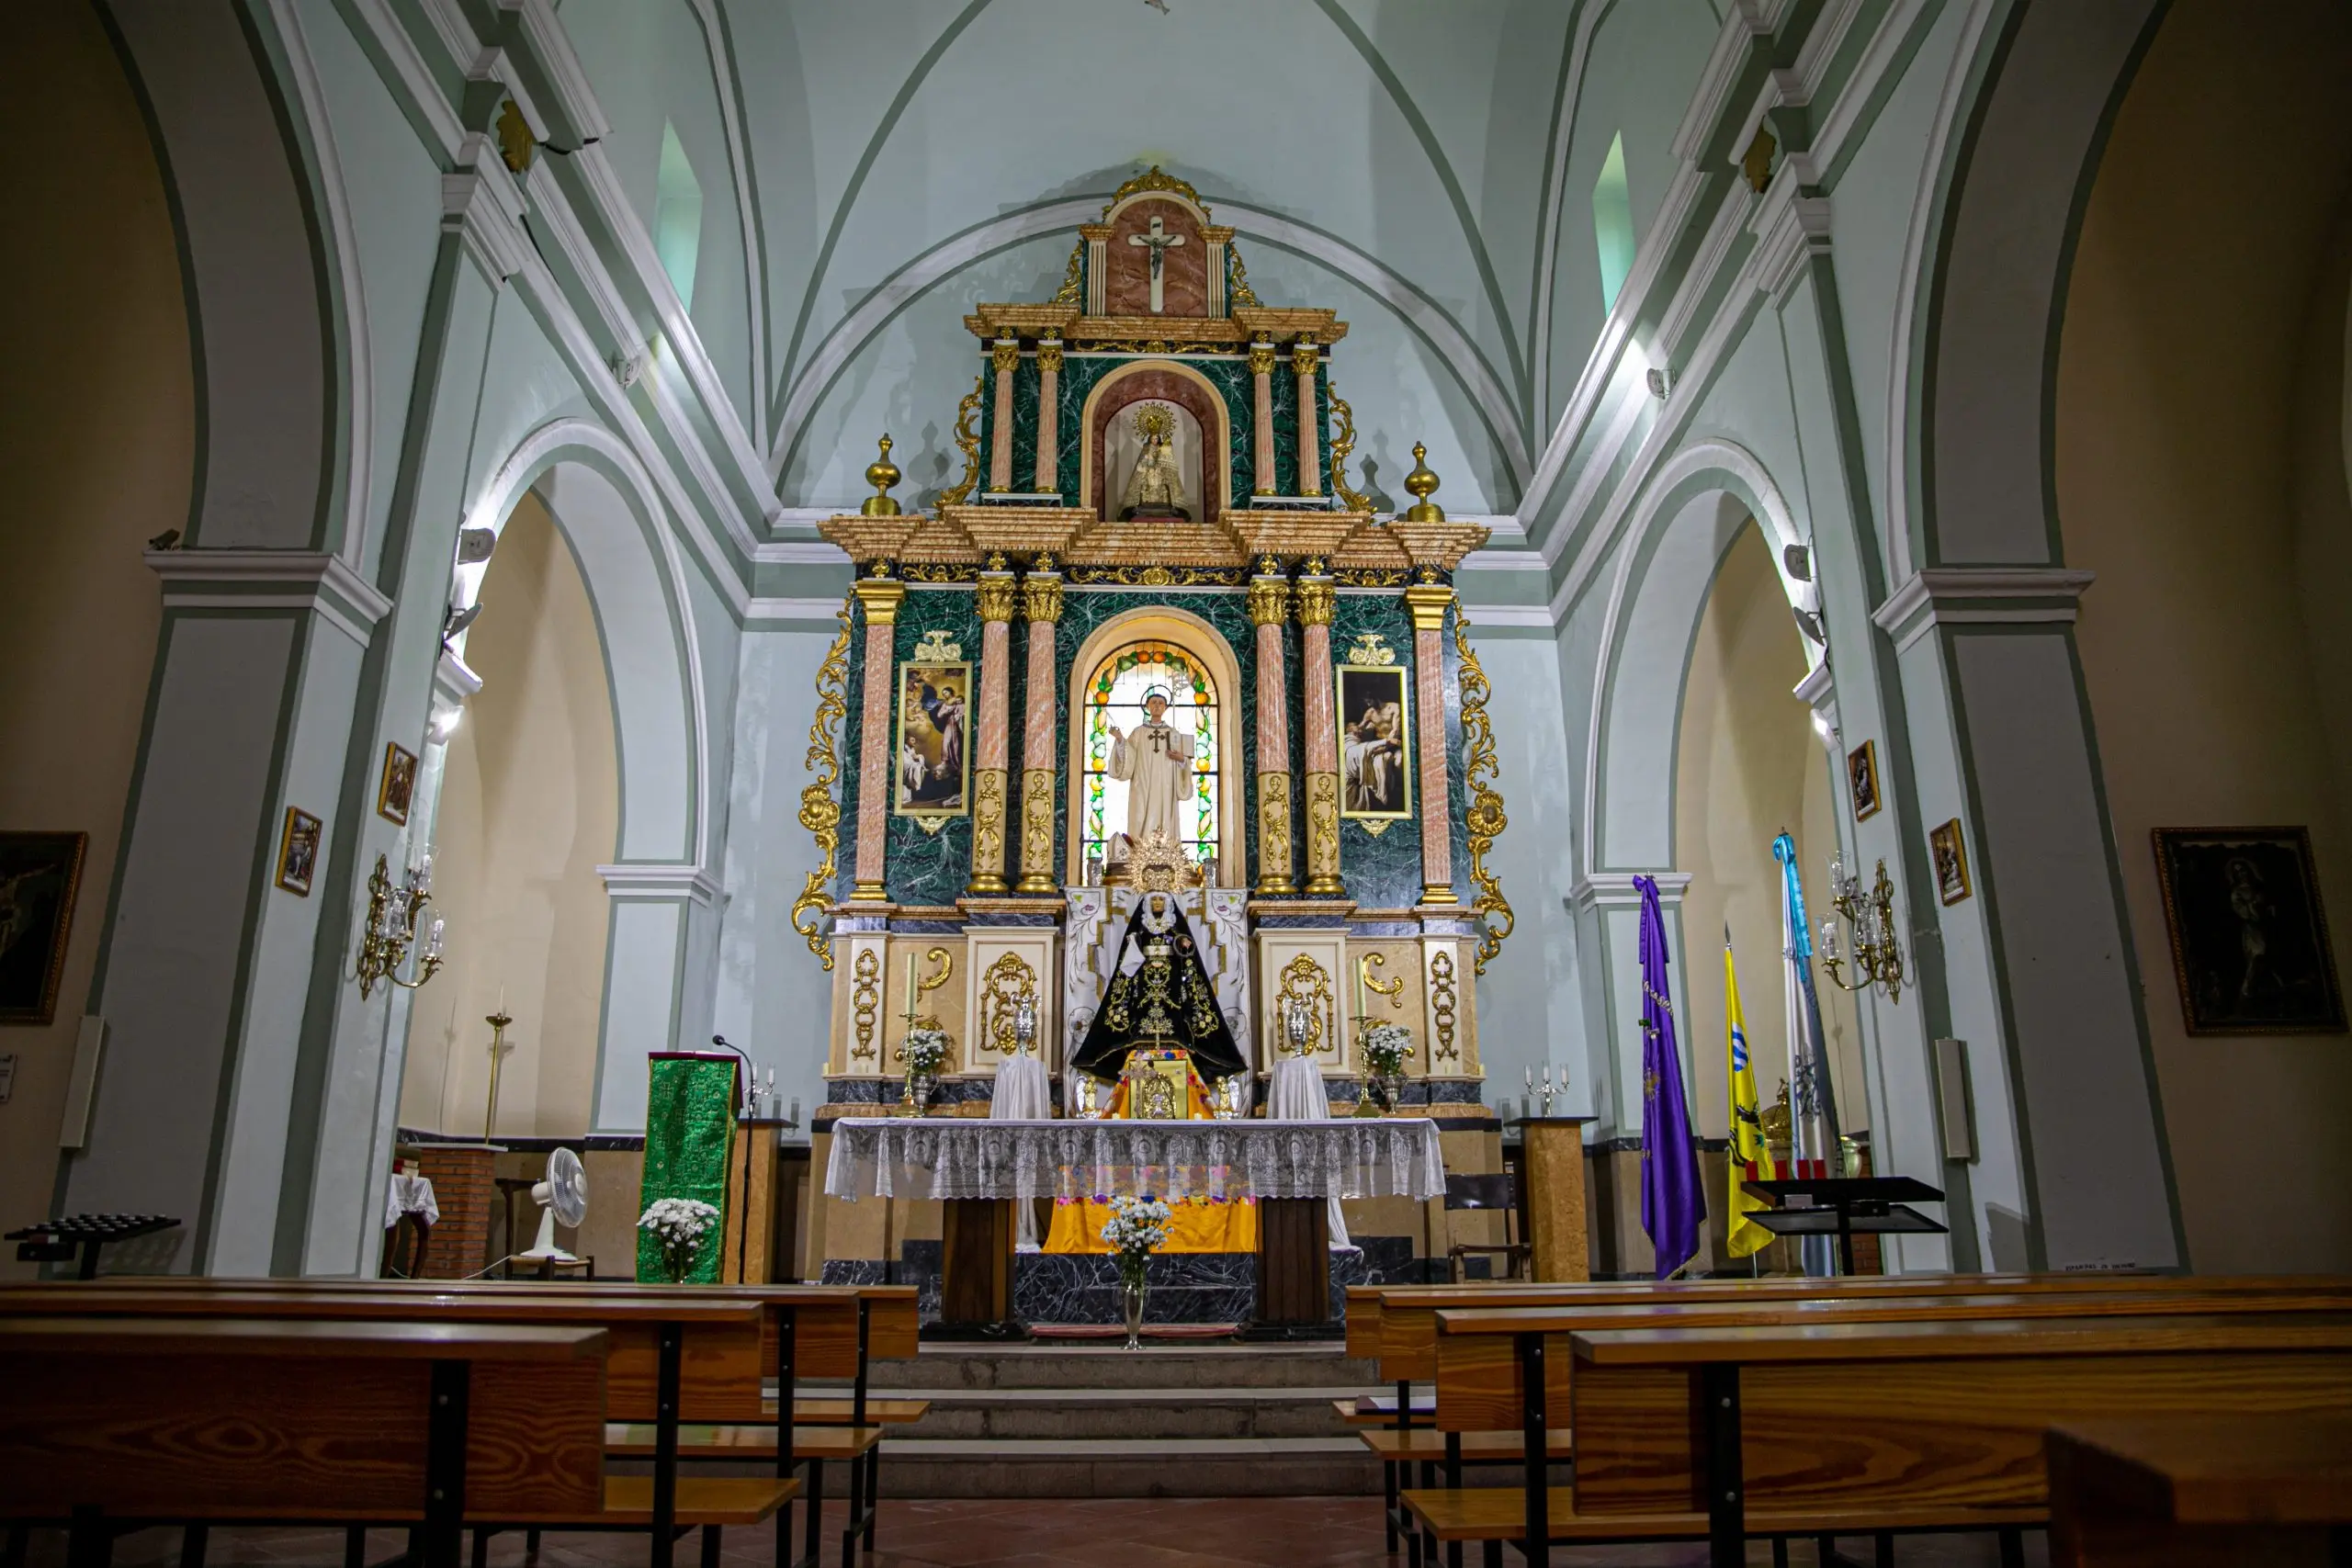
column 447, row 21
column 416, row 85
column 1902, row 438
column 661, row 883
column 1478, row 617
column 810, row 614
column 1819, row 689
column 315, row 580
column 1982, row 596
column 1844, row 117
column 1730, row 221
column 800, row 552
column 1747, row 22
column 1616, row 889
column 454, row 678
column 1503, row 560
column 486, row 211
column 1789, row 228
column 575, row 115
column 359, row 385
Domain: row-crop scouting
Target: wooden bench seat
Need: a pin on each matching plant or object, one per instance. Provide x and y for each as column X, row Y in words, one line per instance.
column 840, row 1411
column 2201, row 1492
column 1415, row 1445
column 703, row 1442
column 1495, row 1515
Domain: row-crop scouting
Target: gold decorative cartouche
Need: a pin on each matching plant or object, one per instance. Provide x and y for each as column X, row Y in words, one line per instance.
column 881, row 474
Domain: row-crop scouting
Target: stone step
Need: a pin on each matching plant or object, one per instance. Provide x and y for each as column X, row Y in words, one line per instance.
column 1082, row 1365
column 1044, row 1412
column 1134, row 1467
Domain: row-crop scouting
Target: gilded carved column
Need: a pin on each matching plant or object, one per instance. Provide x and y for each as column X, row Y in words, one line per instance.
column 1304, row 358
column 1048, row 481
column 1315, row 597
column 880, row 597
column 1427, row 601
column 988, row 765
column 1006, row 353
column 1261, row 450
column 1041, row 594
column 1270, row 608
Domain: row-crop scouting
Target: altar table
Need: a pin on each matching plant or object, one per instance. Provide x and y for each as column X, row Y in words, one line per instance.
column 977, row 1166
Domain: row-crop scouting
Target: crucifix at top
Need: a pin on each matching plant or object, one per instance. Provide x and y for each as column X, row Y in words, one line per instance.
column 1159, row 239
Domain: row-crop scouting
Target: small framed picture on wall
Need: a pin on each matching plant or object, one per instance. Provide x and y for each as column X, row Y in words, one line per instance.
column 39, row 874
column 1950, row 858
column 298, row 851
column 398, row 783
column 1861, row 774
column 2249, row 939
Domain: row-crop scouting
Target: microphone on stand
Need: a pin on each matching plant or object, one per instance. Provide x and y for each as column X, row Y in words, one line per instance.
column 750, row 1076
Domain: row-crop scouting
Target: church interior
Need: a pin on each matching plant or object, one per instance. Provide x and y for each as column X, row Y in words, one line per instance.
column 1061, row 782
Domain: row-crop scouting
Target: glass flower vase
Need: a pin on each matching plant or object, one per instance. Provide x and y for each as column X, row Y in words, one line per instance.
column 1133, row 1292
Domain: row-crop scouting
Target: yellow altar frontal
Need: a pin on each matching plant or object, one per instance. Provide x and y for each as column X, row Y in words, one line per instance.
column 1196, row 1224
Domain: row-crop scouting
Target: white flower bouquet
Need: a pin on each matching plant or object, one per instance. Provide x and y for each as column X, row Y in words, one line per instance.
column 925, row 1050
column 678, row 1227
column 1386, row 1048
column 1137, row 1226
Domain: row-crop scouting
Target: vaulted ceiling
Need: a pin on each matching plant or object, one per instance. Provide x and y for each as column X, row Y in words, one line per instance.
column 869, row 170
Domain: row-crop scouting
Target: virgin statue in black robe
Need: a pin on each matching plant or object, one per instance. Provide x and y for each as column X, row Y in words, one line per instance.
column 1160, row 994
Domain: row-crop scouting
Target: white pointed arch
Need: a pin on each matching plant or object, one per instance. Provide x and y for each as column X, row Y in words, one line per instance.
column 607, row 507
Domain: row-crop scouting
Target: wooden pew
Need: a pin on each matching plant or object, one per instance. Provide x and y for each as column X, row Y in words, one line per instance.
column 2201, row 1492
column 1945, row 1417
column 114, row 1420
column 668, row 1357
column 1486, row 1359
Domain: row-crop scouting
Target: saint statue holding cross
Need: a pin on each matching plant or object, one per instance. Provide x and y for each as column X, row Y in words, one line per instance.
column 1155, row 761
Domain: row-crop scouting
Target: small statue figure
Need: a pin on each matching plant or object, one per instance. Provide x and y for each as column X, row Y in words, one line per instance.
column 1157, row 487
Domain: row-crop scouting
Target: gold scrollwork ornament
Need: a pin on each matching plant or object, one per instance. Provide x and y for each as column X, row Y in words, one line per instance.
column 1343, row 441
column 987, row 830
column 968, row 437
column 1485, row 818
column 1274, row 835
column 819, row 812
column 1304, row 980
column 1441, row 1007
column 1010, row 981
column 1323, row 834
column 1268, row 601
column 996, row 595
column 864, row 1000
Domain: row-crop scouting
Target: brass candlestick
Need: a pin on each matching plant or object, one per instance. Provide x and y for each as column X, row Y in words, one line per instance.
column 498, row 1049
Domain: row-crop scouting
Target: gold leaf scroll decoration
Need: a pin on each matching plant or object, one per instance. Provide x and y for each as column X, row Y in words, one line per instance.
column 1304, row 980
column 968, row 437
column 1441, row 1005
column 1485, row 818
column 1343, row 441
column 1009, row 982
column 819, row 812
column 865, row 999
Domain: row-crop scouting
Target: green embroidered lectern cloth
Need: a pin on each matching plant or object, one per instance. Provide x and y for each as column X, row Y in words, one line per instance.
column 689, row 1120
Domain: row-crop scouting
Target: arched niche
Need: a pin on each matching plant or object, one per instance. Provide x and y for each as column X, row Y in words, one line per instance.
column 605, row 507
column 1689, row 516
column 1168, row 380
column 1200, row 642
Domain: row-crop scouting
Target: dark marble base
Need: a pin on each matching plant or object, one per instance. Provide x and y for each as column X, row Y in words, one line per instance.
column 1180, row 1287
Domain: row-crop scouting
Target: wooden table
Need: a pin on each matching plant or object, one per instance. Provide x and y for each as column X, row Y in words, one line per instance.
column 2202, row 1492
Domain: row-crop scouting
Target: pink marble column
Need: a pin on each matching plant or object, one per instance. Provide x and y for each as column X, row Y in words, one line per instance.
column 1316, row 597
column 1006, row 354
column 1261, row 449
column 880, row 597
column 1041, row 594
column 1270, row 608
column 1303, row 361
column 1428, row 603
column 1047, row 480
column 988, row 760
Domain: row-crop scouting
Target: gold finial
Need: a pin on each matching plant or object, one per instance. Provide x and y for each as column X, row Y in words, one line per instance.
column 516, row 143
column 1419, row 483
column 881, row 474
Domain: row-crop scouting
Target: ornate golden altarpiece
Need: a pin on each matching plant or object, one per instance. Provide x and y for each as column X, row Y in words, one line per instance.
column 971, row 872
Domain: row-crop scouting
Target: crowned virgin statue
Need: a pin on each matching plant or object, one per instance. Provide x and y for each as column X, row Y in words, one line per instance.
column 1157, row 487
column 1160, row 996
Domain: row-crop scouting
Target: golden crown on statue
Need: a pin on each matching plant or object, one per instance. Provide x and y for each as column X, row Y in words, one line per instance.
column 1154, row 421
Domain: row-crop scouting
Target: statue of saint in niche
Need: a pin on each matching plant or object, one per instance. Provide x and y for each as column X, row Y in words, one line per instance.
column 1155, row 488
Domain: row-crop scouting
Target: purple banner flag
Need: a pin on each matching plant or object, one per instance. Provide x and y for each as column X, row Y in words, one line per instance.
column 1672, row 1206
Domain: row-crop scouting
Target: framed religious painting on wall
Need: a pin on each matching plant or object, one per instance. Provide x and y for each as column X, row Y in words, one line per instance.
column 39, row 874
column 2249, row 938
column 298, row 851
column 1861, row 774
column 1375, row 737
column 397, row 785
column 1951, row 857
column 934, row 761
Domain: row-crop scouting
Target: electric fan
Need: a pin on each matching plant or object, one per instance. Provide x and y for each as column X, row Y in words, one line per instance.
column 562, row 1199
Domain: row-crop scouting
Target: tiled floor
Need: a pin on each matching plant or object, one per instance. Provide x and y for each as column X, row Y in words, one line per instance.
column 1256, row 1533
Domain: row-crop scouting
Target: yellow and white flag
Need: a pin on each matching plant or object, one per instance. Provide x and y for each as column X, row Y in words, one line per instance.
column 1751, row 1158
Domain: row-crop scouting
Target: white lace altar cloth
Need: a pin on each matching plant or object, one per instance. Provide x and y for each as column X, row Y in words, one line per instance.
column 906, row 1156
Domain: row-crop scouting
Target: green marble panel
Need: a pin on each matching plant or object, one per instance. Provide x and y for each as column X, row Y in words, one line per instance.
column 1027, row 385
column 1082, row 374
column 919, row 867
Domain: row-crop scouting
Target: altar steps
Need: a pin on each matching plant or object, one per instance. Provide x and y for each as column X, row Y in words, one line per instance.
column 1098, row 1421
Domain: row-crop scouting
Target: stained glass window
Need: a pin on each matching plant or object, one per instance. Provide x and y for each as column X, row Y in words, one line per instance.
column 1114, row 696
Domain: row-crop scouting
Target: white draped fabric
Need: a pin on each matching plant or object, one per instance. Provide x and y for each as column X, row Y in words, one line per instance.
column 1297, row 1095
column 1023, row 1093
column 905, row 1156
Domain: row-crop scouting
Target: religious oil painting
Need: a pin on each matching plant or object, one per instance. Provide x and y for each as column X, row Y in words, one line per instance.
column 298, row 851
column 40, row 874
column 1375, row 746
column 1950, row 858
column 2249, row 938
column 1861, row 774
column 398, row 785
column 934, row 741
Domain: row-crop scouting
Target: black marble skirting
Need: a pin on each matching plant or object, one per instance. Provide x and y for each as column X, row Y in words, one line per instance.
column 1181, row 1286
